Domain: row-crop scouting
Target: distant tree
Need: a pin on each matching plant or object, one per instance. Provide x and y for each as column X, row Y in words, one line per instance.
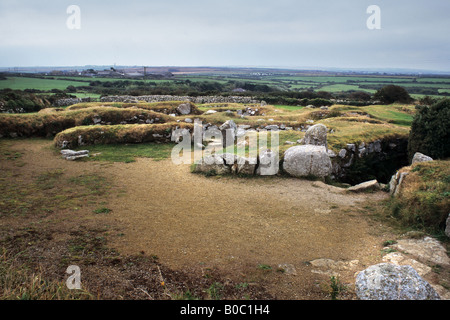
column 392, row 93
column 71, row 89
column 430, row 131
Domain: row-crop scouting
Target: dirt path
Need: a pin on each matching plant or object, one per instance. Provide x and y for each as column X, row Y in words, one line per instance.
column 235, row 224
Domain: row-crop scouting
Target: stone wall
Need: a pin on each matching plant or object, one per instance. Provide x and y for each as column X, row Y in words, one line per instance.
column 70, row 101
column 196, row 100
column 379, row 158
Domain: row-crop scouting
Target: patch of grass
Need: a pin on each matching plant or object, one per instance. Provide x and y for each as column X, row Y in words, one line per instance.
column 188, row 295
column 48, row 179
column 424, row 201
column 214, row 292
column 129, row 152
column 19, row 282
column 389, row 243
column 264, row 267
column 102, row 210
column 336, row 287
column 94, row 183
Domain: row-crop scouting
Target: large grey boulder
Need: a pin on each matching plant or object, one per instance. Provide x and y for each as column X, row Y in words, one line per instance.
column 307, row 160
column 316, row 135
column 386, row 281
column 420, row 157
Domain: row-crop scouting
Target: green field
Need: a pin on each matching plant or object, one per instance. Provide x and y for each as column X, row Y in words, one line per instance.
column 22, row 83
column 416, row 86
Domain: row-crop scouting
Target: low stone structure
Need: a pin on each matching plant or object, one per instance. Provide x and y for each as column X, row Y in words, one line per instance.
column 196, row 100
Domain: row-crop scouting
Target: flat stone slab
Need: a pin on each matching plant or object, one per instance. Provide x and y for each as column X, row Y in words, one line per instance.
column 365, row 186
column 426, row 249
column 72, row 155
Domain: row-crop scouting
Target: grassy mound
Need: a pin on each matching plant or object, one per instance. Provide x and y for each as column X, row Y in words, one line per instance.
column 166, row 107
column 50, row 123
column 116, row 134
column 423, row 201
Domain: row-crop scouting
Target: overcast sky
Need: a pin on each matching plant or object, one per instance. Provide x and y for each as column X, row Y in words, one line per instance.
column 276, row 33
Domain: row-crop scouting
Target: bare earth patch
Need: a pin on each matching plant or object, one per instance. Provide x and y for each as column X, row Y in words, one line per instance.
column 261, row 232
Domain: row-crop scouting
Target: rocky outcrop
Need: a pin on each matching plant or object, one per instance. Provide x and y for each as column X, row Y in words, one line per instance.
column 386, row 281
column 307, row 160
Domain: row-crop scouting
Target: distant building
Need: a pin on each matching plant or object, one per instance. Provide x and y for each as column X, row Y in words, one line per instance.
column 134, row 74
column 239, row 90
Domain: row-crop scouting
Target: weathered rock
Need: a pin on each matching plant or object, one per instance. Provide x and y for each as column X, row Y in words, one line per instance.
column 400, row 259
column 426, row 249
column 420, row 157
column 316, row 135
column 447, row 228
column 307, row 160
column 73, row 155
column 287, row 269
column 228, row 129
column 371, row 185
column 210, row 112
column 331, row 267
column 184, row 108
column 272, row 127
column 386, row 281
column 396, row 182
column 268, row 163
column 351, row 147
column 244, row 165
column 212, row 164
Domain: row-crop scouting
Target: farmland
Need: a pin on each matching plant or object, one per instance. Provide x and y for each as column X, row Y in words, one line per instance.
column 220, row 82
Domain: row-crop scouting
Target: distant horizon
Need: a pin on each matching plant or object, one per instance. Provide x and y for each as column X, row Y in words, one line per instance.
column 328, row 34
column 284, row 68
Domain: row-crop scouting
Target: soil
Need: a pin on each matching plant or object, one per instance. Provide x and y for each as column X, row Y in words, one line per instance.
column 192, row 232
